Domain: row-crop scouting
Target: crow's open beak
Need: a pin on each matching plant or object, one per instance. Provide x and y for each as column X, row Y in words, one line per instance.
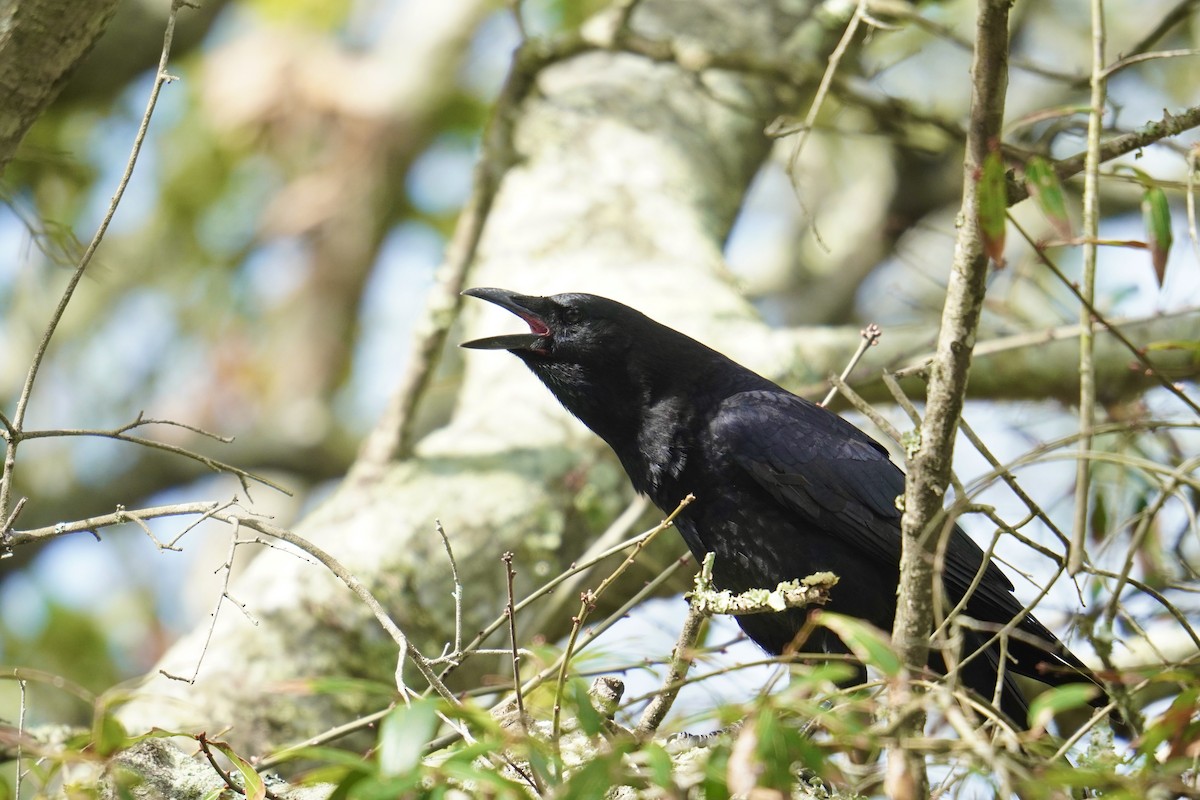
column 519, row 304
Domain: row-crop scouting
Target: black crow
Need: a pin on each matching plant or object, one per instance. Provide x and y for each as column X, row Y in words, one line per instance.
column 784, row 488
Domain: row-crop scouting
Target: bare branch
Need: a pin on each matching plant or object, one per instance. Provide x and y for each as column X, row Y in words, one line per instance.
column 930, row 467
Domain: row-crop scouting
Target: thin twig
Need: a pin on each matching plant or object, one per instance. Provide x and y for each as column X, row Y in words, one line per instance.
column 551, row 672
column 546, row 588
column 118, row 517
column 120, row 435
column 9, row 523
column 1011, row 481
column 509, row 574
column 860, row 405
column 407, row 649
column 1087, row 346
column 203, row 740
column 682, row 657
column 500, row 621
column 869, row 337
column 588, row 603
column 1096, row 316
column 568, row 589
column 227, row 566
column 814, row 108
column 17, row 423
column 325, row 737
column 20, row 741
column 1175, row 16
column 458, row 590
column 705, row 602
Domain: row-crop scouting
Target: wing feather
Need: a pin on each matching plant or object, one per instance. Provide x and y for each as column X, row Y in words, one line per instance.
column 841, row 483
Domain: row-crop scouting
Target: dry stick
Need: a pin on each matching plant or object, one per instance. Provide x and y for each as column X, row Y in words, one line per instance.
column 369, row 719
column 507, row 558
column 548, row 587
column 216, row 466
column 869, row 337
column 15, row 426
column 1087, row 346
column 588, row 602
column 407, row 649
column 569, row 588
column 221, row 598
column 593, row 633
column 458, row 590
column 681, row 661
column 118, row 517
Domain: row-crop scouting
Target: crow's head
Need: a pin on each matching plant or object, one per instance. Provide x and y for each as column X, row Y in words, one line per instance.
column 634, row 382
column 600, row 359
column 581, row 330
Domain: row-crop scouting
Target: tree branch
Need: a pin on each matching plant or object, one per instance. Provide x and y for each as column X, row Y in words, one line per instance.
column 930, row 469
column 41, row 41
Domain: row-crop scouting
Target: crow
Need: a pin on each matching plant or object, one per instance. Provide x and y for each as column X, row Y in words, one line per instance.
column 783, row 488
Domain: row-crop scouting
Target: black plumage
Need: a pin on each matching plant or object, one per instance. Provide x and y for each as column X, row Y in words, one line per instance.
column 783, row 488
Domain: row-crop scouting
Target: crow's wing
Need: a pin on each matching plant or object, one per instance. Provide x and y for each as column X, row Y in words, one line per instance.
column 840, row 482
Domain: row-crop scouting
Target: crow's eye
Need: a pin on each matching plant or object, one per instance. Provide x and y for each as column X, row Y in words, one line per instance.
column 571, row 316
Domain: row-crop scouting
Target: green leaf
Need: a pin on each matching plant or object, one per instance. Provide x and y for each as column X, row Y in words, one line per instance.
column 1049, row 704
column 590, row 721
column 109, row 734
column 1047, row 192
column 868, row 644
column 1156, row 215
column 484, row 775
column 592, row 781
column 403, row 735
column 252, row 782
column 659, row 762
column 992, row 198
column 1176, row 724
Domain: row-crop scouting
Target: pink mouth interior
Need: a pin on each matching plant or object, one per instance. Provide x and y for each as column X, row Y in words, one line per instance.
column 536, row 326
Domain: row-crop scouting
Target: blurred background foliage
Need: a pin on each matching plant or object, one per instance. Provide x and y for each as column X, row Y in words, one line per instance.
column 262, row 276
